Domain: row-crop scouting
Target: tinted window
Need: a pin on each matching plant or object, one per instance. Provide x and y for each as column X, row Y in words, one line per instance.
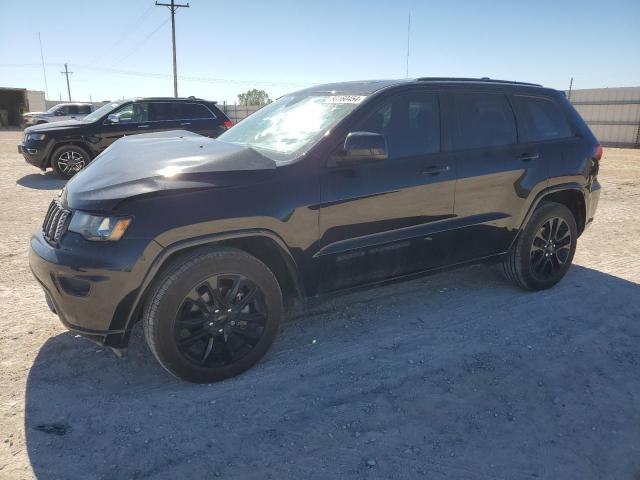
column 62, row 110
column 410, row 122
column 540, row 119
column 188, row 111
column 84, row 109
column 163, row 111
column 483, row 120
column 132, row 113
column 73, row 109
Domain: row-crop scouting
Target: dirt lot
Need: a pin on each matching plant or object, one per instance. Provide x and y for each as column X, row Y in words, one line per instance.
column 457, row 375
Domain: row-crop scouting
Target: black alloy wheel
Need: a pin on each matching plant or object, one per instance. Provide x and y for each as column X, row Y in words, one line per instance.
column 220, row 320
column 550, row 248
column 544, row 249
column 212, row 314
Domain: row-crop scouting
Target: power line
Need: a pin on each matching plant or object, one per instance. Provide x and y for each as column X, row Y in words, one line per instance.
column 115, row 71
column 132, row 50
column 408, row 38
column 66, row 74
column 173, row 7
column 44, row 71
column 136, row 24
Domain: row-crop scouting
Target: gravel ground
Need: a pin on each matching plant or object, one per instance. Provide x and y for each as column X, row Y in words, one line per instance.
column 457, row 375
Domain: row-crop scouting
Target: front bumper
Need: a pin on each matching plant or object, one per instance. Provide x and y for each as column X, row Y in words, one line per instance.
column 34, row 154
column 92, row 286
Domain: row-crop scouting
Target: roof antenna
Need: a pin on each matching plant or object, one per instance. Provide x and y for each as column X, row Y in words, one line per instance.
column 408, row 37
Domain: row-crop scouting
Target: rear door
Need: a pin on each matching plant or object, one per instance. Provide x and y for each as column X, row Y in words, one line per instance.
column 382, row 219
column 495, row 173
column 198, row 118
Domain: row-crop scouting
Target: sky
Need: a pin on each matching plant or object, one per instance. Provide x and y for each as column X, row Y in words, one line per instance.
column 119, row 48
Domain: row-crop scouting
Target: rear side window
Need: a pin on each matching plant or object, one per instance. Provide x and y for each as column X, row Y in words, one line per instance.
column 482, row 120
column 540, row 119
column 84, row 109
column 73, row 109
column 162, row 111
column 190, row 111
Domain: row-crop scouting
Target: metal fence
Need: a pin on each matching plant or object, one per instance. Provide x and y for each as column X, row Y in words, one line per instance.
column 237, row 112
column 613, row 114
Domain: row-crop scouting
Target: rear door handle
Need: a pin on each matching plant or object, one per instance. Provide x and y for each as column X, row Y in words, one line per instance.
column 527, row 157
column 185, row 123
column 143, row 126
column 436, row 169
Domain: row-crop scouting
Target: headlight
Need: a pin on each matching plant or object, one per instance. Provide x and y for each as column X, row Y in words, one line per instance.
column 98, row 228
column 35, row 136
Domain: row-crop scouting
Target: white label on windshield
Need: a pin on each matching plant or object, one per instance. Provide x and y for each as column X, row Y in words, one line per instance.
column 344, row 99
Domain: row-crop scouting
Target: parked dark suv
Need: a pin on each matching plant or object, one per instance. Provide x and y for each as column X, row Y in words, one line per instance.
column 69, row 146
column 208, row 242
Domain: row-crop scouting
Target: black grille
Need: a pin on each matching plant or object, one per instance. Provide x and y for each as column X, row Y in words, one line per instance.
column 55, row 222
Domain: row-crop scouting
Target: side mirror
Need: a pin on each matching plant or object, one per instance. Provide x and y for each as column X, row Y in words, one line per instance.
column 362, row 147
column 111, row 118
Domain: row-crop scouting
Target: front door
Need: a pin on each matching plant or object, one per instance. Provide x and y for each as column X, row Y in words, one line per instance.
column 381, row 219
column 133, row 118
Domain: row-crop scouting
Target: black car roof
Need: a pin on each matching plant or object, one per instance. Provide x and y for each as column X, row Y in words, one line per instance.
column 368, row 87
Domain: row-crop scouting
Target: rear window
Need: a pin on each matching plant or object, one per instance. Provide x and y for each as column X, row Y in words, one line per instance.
column 483, row 120
column 540, row 119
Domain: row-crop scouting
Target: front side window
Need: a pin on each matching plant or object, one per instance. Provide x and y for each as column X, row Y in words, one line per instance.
column 132, row 113
column 84, row 109
column 540, row 119
column 291, row 124
column 410, row 122
column 73, row 110
column 482, row 120
column 62, row 110
column 102, row 111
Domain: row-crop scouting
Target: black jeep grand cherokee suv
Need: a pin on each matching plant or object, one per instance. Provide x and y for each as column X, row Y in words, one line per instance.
column 207, row 241
column 69, row 146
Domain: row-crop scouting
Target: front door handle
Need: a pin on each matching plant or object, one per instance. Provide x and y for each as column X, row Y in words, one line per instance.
column 436, row 169
column 143, row 126
column 185, row 123
column 527, row 157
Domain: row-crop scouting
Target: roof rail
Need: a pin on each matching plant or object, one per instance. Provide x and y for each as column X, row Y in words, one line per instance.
column 466, row 79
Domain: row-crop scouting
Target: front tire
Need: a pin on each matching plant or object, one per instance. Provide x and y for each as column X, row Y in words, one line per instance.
column 68, row 160
column 544, row 249
column 212, row 315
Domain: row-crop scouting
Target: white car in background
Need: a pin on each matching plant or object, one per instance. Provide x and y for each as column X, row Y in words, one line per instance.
column 57, row 113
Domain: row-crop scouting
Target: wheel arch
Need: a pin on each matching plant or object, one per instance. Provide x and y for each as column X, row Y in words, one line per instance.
column 265, row 245
column 570, row 195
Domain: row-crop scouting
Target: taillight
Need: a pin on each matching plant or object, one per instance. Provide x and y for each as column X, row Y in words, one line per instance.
column 228, row 124
column 597, row 153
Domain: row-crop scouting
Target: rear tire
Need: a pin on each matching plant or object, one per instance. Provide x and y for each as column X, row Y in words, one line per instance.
column 68, row 160
column 212, row 315
column 544, row 249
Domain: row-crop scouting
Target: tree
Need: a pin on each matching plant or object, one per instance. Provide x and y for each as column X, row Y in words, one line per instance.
column 254, row 97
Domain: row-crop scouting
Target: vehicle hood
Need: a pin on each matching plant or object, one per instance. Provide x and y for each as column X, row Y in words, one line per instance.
column 55, row 126
column 155, row 163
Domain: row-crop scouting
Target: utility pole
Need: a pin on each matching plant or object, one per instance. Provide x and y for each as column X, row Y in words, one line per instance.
column 67, row 73
column 44, row 71
column 570, row 87
column 173, row 7
column 408, row 40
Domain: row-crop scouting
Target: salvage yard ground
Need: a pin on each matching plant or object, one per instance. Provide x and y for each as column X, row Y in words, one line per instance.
column 458, row 375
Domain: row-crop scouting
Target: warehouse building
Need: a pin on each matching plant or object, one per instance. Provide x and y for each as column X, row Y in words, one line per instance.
column 16, row 101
